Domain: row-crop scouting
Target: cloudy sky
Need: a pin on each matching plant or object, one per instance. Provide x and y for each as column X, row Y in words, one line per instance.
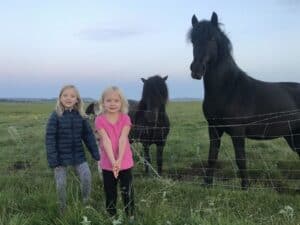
column 93, row 44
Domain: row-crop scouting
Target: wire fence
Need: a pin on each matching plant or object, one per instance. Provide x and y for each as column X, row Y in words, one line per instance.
column 266, row 172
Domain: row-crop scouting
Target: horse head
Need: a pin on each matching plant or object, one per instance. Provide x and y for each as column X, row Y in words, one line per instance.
column 92, row 109
column 209, row 44
column 154, row 97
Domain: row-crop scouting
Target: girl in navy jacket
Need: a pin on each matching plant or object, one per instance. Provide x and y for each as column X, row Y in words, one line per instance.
column 66, row 129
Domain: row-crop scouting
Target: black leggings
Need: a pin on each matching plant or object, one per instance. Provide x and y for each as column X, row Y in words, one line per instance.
column 110, row 189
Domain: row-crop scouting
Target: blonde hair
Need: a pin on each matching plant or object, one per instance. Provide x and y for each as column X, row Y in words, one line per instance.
column 78, row 105
column 124, row 102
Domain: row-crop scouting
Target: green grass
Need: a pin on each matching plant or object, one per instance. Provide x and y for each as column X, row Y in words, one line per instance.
column 27, row 190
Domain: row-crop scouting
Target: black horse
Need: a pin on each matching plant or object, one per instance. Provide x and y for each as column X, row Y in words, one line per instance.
column 236, row 103
column 92, row 109
column 150, row 121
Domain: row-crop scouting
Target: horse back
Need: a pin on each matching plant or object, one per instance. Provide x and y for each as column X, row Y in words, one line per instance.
column 245, row 96
column 260, row 109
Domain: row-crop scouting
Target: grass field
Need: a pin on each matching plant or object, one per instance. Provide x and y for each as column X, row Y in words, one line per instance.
column 27, row 190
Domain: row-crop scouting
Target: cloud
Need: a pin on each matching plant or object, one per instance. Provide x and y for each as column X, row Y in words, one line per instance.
column 107, row 34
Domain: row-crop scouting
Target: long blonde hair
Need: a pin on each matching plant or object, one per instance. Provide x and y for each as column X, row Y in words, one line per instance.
column 78, row 105
column 124, row 102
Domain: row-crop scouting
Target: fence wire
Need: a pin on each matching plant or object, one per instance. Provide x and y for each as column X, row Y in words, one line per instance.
column 194, row 174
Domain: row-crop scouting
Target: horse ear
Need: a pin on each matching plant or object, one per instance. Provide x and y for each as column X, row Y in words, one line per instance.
column 165, row 78
column 143, row 79
column 214, row 19
column 194, row 21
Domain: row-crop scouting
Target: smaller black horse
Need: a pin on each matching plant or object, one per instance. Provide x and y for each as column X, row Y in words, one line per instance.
column 150, row 120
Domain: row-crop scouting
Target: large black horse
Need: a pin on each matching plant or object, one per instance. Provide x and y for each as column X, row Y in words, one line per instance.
column 236, row 103
column 150, row 120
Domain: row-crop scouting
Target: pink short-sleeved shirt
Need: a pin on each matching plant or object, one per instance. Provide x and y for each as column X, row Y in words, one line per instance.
column 114, row 132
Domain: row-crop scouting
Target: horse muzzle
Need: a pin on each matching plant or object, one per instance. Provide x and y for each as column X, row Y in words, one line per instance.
column 196, row 76
column 198, row 71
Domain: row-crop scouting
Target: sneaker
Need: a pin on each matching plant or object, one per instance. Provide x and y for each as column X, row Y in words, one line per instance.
column 85, row 201
column 131, row 220
column 88, row 207
column 62, row 211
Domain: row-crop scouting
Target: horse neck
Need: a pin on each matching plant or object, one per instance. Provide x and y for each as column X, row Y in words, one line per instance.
column 220, row 76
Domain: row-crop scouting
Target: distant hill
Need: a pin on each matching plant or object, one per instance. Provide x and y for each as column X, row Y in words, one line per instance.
column 27, row 99
column 38, row 99
column 86, row 100
column 186, row 99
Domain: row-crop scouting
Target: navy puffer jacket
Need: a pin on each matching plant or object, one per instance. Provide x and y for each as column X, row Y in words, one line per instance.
column 64, row 136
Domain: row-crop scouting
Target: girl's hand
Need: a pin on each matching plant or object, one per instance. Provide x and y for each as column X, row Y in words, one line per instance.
column 116, row 170
column 118, row 163
column 117, row 167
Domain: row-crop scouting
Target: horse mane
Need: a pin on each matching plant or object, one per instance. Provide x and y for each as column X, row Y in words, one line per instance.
column 155, row 90
column 92, row 108
column 205, row 30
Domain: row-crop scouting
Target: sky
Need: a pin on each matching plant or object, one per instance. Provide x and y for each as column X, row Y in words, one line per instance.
column 94, row 44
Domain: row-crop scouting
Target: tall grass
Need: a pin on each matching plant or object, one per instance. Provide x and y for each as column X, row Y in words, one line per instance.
column 27, row 190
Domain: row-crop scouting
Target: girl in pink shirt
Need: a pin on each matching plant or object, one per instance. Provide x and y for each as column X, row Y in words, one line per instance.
column 113, row 126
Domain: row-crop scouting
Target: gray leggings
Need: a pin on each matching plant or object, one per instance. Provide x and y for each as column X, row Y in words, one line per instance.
column 84, row 173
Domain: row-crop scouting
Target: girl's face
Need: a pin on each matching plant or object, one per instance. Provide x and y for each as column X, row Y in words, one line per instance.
column 68, row 98
column 112, row 102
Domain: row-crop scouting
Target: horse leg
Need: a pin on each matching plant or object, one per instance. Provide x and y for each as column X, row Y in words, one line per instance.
column 294, row 142
column 240, row 157
column 215, row 141
column 297, row 142
column 159, row 158
column 147, row 159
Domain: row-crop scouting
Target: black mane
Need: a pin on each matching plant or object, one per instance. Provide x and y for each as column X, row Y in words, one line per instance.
column 155, row 91
column 205, row 30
